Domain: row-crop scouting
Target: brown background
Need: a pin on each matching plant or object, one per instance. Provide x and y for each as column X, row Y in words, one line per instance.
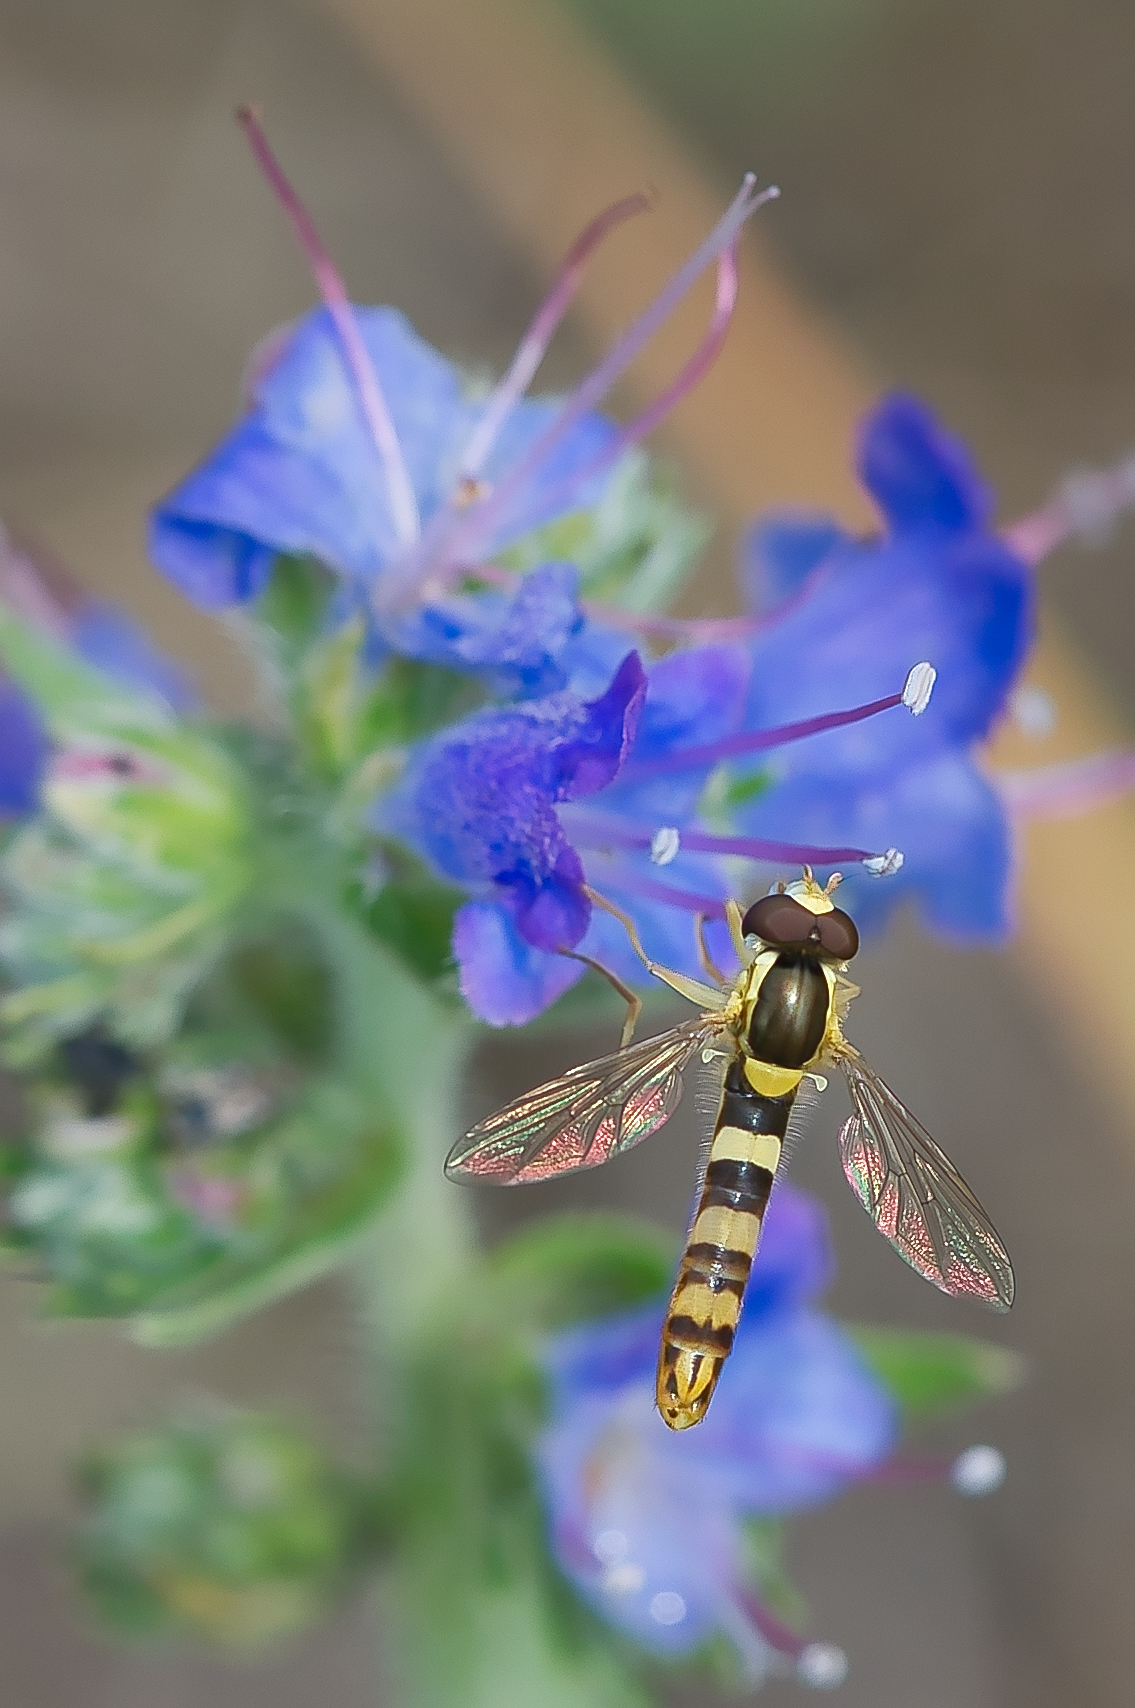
column 959, row 189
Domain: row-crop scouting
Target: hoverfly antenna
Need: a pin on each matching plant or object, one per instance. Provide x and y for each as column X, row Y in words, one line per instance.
column 833, row 883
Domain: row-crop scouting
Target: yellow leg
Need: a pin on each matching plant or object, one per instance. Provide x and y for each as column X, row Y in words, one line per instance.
column 633, row 1002
column 708, row 964
column 706, row 996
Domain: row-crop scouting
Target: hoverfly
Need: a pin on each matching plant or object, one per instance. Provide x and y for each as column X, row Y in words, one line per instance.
column 779, row 1020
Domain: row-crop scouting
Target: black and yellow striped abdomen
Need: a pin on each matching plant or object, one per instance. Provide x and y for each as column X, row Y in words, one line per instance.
column 706, row 1302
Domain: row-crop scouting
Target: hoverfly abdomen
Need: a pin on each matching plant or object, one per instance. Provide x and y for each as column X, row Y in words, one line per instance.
column 705, row 1306
column 790, row 1014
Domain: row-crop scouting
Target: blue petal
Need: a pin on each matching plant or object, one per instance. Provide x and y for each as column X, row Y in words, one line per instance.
column 649, row 1543
column 561, row 483
column 797, row 1415
column 694, row 696
column 300, row 473
column 23, row 751
column 919, row 474
column 795, row 1261
column 946, row 818
column 780, row 552
column 505, row 981
column 516, row 643
column 964, row 603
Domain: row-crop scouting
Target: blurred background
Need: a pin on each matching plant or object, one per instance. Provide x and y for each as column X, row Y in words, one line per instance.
column 958, row 217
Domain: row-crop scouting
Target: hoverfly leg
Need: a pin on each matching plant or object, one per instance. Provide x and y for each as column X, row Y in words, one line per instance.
column 707, row 996
column 633, row 1002
column 708, row 964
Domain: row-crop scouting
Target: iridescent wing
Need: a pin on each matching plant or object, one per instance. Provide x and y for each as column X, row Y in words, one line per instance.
column 916, row 1197
column 585, row 1117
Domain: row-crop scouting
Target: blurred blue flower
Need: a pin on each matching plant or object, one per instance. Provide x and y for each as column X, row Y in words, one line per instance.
column 648, row 1524
column 300, row 472
column 843, row 617
column 102, row 636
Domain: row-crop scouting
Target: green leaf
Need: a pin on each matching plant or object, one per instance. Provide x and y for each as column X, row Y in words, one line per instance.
column 930, row 1373
column 570, row 1268
column 320, row 1233
column 414, row 917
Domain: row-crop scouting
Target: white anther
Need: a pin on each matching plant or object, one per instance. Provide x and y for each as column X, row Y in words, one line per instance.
column 665, row 845
column 623, row 1578
column 821, row 1665
column 668, row 1607
column 918, row 687
column 1033, row 711
column 885, row 865
column 978, row 1471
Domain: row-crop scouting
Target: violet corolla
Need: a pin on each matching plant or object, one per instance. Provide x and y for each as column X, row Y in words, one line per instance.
column 367, row 450
column 651, row 1526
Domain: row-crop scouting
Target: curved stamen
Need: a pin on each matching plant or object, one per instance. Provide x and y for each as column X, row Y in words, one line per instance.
column 590, row 830
column 478, row 522
column 1066, row 791
column 694, row 371
column 915, row 694
column 711, row 907
column 376, row 413
column 533, row 346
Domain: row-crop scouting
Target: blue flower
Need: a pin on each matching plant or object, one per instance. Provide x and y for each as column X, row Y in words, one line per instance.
column 525, row 804
column 98, row 633
column 849, row 615
column 363, row 447
column 649, row 1525
column 301, row 474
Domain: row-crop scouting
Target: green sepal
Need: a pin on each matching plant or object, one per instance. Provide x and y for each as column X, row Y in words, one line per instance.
column 634, row 548
column 413, row 916
column 930, row 1373
column 764, row 1562
column 320, row 1233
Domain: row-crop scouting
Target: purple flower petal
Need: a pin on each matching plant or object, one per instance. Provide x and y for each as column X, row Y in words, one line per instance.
column 946, row 818
column 505, row 981
column 516, row 642
column 864, row 618
column 300, row 472
column 920, row 475
column 115, row 644
column 780, row 552
column 23, row 751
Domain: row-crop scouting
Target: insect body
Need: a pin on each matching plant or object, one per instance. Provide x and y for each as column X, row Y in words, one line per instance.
column 777, row 1021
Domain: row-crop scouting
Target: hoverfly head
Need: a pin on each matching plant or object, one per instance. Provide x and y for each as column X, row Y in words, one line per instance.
column 802, row 915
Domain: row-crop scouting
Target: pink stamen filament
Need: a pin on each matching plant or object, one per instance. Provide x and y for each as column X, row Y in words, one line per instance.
column 692, row 374
column 1087, row 505
column 595, row 832
column 376, row 414
column 776, row 1634
column 688, row 900
column 1066, row 791
column 755, row 741
column 475, row 526
column 534, row 344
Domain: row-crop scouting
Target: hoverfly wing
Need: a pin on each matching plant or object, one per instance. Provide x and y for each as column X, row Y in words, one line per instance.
column 916, row 1197
column 586, row 1116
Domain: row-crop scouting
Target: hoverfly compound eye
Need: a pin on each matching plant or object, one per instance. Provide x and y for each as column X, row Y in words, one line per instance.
column 779, row 920
column 839, row 936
